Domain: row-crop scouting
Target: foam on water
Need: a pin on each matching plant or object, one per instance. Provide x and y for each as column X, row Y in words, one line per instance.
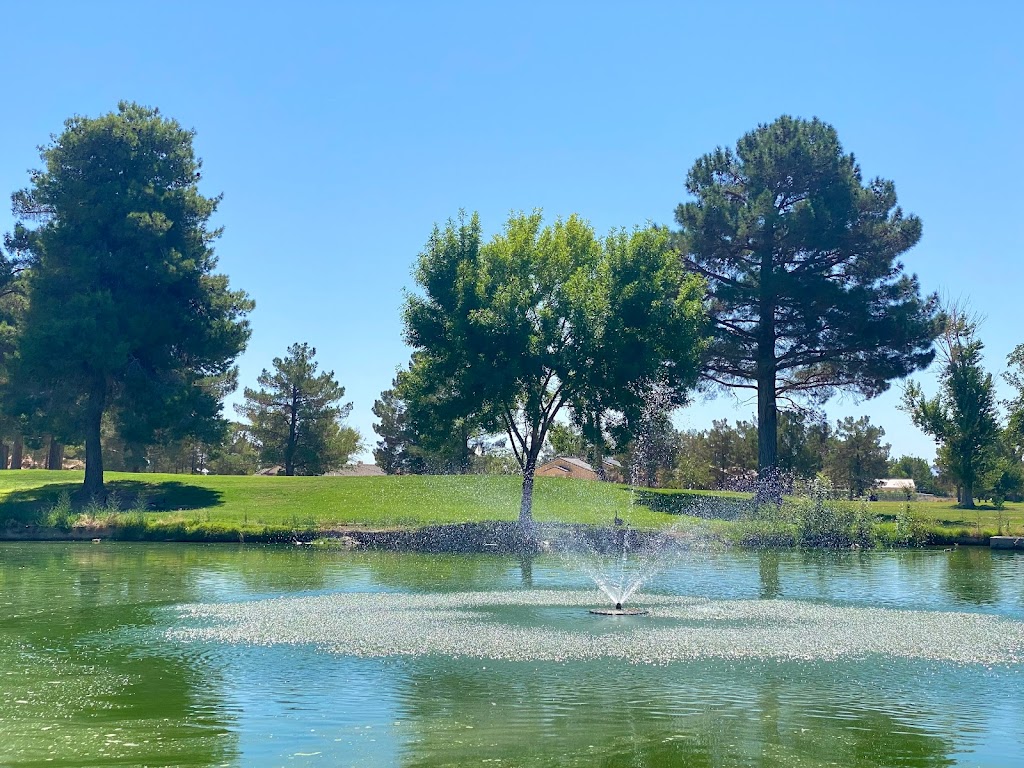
column 474, row 625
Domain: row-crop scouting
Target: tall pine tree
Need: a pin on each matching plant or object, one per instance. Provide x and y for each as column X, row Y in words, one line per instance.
column 126, row 314
column 800, row 256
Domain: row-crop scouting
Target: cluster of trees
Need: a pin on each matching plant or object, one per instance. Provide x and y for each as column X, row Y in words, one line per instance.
column 118, row 337
column 782, row 278
column 850, row 453
column 115, row 327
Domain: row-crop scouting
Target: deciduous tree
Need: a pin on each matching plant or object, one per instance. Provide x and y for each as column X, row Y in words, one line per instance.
column 800, row 256
column 963, row 417
column 803, row 439
column 542, row 319
column 126, row 313
column 236, row 454
column 1014, row 376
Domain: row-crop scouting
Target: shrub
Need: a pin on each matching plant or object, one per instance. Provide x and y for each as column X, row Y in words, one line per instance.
column 863, row 529
column 60, row 516
column 911, row 528
column 129, row 525
column 823, row 521
column 767, row 533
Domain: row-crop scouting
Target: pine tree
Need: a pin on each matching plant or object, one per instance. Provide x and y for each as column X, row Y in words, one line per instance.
column 296, row 416
column 126, row 316
column 395, row 452
column 806, row 294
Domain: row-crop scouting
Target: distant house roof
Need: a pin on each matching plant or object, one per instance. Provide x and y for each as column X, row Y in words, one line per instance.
column 895, row 484
column 570, row 466
column 358, row 470
column 585, row 465
column 578, row 462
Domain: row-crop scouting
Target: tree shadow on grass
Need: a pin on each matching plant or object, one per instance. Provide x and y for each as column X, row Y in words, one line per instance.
column 30, row 505
column 695, row 505
column 892, row 517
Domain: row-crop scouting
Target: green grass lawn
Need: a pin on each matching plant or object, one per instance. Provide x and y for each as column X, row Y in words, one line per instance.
column 947, row 514
column 413, row 500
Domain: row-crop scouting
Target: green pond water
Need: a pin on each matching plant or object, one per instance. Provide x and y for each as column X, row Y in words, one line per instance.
column 153, row 655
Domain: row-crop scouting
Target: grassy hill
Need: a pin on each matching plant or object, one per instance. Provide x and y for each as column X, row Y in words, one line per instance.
column 229, row 504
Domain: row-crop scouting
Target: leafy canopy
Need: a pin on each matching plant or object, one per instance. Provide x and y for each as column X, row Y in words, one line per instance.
column 857, row 457
column 542, row 318
column 963, row 416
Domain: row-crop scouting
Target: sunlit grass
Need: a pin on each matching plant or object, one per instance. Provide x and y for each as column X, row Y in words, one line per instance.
column 248, row 503
column 411, row 500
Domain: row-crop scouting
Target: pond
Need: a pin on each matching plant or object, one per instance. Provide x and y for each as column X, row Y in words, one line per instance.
column 164, row 654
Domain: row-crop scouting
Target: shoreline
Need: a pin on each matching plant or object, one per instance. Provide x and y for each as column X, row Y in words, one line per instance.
column 495, row 537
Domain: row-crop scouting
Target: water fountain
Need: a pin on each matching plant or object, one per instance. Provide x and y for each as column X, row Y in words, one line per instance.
column 634, row 558
column 623, row 585
column 621, row 561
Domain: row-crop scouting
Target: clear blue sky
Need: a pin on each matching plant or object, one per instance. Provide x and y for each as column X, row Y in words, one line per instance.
column 339, row 133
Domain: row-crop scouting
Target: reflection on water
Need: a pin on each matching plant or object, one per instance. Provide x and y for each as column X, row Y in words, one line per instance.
column 707, row 714
column 769, row 572
column 88, row 676
column 74, row 689
column 970, row 578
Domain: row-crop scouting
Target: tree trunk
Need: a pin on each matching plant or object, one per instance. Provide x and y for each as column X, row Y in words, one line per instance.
column 768, row 490
column 597, row 446
column 93, row 484
column 289, row 450
column 17, row 452
column 5, row 454
column 464, row 459
column 767, row 424
column 55, row 456
column 526, row 505
column 769, row 572
column 968, row 496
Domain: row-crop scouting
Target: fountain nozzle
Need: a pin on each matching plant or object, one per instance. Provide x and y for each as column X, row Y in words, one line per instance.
column 618, row 606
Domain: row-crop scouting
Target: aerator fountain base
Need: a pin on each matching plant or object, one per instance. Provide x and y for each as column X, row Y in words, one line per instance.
column 618, row 610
